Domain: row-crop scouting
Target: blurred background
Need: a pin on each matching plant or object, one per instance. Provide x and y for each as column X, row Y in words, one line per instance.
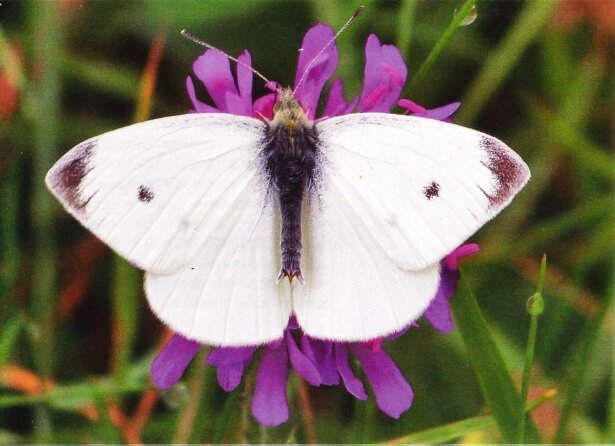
column 76, row 334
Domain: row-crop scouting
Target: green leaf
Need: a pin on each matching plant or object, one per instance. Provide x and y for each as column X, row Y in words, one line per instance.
column 495, row 381
column 447, row 433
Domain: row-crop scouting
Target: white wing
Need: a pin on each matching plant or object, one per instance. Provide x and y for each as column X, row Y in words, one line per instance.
column 353, row 291
column 420, row 186
column 181, row 198
column 396, row 195
column 229, row 297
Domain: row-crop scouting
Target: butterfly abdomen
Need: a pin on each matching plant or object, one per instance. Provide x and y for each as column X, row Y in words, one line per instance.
column 290, row 156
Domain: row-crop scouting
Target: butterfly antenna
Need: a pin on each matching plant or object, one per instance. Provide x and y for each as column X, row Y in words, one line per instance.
column 188, row 35
column 329, row 43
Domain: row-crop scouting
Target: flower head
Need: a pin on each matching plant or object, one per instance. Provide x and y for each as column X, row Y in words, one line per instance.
column 318, row 362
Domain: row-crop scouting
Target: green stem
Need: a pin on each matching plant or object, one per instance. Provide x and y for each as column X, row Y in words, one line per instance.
column 44, row 105
column 224, row 420
column 405, row 25
column 535, row 308
column 458, row 18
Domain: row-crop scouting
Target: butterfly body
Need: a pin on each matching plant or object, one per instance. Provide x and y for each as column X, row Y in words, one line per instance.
column 291, row 159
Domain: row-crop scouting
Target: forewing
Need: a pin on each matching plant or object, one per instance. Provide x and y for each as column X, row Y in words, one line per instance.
column 419, row 187
column 156, row 192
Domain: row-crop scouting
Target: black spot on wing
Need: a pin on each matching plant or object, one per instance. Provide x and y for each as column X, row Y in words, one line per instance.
column 431, row 190
column 510, row 173
column 145, row 194
column 67, row 179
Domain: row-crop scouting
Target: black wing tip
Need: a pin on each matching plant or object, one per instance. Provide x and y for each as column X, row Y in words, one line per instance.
column 64, row 179
column 510, row 171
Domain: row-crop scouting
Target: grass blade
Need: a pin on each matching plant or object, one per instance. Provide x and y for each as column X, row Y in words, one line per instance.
column 582, row 358
column 494, row 379
column 447, row 433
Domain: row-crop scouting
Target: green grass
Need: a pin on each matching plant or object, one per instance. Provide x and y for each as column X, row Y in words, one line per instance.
column 76, row 334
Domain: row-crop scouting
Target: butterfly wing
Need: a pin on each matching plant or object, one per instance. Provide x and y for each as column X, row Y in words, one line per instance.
column 182, row 198
column 396, row 195
column 419, row 185
column 353, row 291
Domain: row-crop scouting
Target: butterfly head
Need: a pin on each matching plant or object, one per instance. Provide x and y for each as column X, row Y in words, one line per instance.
column 288, row 112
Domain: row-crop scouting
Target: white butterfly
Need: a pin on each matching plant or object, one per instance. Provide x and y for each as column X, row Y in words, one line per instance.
column 212, row 207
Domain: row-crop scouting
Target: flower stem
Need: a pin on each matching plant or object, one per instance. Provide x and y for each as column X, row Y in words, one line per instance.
column 458, row 19
column 535, row 306
column 223, row 421
column 44, row 107
column 196, row 389
column 405, row 25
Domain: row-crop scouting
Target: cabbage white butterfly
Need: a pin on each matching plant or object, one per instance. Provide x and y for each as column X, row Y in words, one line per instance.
column 220, row 210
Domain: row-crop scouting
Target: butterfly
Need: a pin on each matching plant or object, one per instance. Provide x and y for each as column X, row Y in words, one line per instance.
column 224, row 211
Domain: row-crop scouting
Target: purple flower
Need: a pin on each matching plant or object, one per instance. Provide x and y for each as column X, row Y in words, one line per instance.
column 438, row 312
column 316, row 361
column 443, row 113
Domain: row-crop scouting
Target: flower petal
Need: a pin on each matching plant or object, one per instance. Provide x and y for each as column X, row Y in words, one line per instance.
column 441, row 113
column 463, row 251
column 385, row 76
column 301, row 363
column 263, row 106
column 199, row 107
column 244, row 78
column 393, row 393
column 438, row 312
column 214, row 70
column 351, row 382
column 229, row 376
column 308, row 92
column 224, row 356
column 321, row 354
column 269, row 405
column 336, row 104
column 171, row 362
column 410, row 106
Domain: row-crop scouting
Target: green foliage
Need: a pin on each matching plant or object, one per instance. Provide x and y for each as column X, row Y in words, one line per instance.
column 76, row 338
